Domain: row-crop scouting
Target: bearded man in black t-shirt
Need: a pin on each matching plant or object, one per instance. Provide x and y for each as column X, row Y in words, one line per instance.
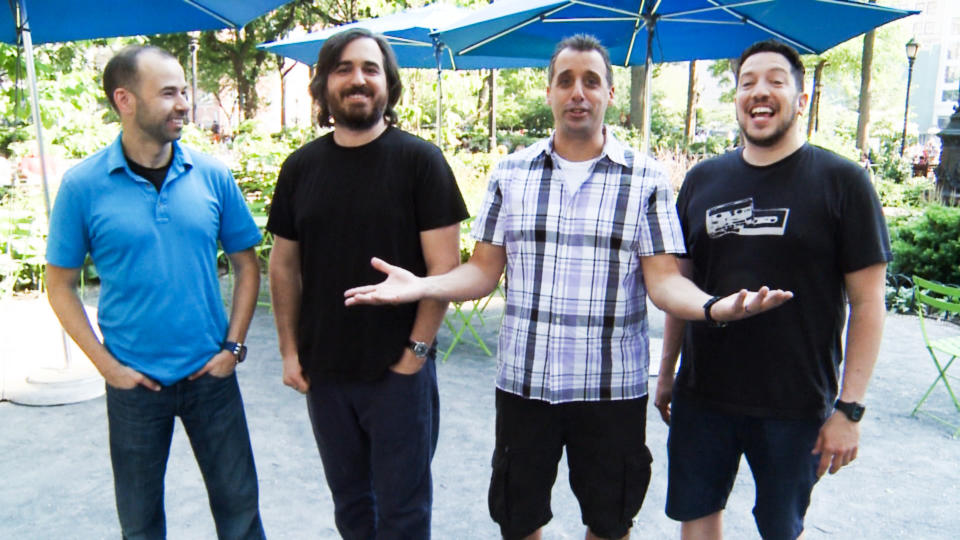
column 781, row 212
column 365, row 189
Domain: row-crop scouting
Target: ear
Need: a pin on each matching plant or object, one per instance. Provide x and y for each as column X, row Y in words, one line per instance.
column 125, row 100
column 802, row 103
column 611, row 93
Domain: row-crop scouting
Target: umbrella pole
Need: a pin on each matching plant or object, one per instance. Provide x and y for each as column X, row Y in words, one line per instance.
column 438, row 51
column 60, row 385
column 647, row 79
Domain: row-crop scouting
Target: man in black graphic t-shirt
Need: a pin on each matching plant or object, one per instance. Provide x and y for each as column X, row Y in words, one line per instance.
column 365, row 189
column 790, row 215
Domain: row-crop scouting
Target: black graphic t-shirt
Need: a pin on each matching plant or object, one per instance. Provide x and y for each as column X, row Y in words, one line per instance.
column 799, row 224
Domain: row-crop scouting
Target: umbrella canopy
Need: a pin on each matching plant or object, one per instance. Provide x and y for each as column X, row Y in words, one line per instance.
column 409, row 34
column 680, row 29
column 69, row 20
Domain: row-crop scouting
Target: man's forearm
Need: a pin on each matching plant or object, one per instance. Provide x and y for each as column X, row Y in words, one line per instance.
column 864, row 332
column 285, row 291
column 68, row 308
column 246, row 289
column 466, row 282
column 672, row 341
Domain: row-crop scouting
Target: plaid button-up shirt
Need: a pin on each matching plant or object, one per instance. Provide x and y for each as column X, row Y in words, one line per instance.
column 575, row 324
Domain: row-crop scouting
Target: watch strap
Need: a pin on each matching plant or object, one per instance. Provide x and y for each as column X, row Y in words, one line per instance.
column 709, row 318
column 851, row 409
column 237, row 349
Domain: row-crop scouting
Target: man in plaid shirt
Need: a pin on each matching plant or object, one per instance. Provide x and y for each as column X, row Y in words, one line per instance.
column 586, row 228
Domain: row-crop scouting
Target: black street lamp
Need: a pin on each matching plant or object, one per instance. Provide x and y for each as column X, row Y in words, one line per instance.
column 912, row 47
column 948, row 171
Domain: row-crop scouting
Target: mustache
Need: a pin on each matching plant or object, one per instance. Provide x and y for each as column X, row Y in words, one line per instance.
column 357, row 89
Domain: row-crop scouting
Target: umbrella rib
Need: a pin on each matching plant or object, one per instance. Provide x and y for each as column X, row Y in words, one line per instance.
column 512, row 29
column 636, row 28
column 604, row 8
column 771, row 31
column 590, row 19
column 724, row 7
column 212, row 13
column 738, row 22
column 860, row 5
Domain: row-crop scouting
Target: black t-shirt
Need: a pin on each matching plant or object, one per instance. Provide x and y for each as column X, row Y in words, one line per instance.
column 155, row 176
column 799, row 224
column 345, row 205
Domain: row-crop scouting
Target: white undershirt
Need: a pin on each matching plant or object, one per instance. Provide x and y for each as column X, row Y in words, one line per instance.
column 574, row 173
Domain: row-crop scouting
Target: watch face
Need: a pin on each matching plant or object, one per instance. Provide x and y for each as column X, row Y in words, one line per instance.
column 856, row 413
column 420, row 349
column 853, row 411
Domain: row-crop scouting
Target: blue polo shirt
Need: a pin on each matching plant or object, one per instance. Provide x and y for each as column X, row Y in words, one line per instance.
column 160, row 309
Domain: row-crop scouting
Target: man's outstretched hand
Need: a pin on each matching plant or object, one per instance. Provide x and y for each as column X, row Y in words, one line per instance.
column 400, row 287
column 744, row 304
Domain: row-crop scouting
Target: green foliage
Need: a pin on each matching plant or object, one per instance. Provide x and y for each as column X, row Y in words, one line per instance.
column 257, row 157
column 912, row 193
column 899, row 295
column 22, row 242
column 472, row 171
column 928, row 245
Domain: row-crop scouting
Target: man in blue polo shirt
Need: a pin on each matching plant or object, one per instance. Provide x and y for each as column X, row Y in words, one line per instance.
column 151, row 213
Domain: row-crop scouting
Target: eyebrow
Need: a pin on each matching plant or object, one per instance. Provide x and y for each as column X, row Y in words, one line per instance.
column 586, row 73
column 365, row 63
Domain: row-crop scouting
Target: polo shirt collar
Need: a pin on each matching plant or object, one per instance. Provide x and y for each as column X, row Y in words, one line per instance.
column 182, row 160
column 612, row 148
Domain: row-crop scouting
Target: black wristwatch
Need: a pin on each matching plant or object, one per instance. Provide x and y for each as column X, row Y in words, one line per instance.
column 238, row 350
column 852, row 409
column 419, row 348
column 709, row 318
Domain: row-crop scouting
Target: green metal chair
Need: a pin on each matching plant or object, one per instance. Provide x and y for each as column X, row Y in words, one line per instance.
column 934, row 295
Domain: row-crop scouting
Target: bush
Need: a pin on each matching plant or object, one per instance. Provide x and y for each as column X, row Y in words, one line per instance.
column 928, row 245
column 913, row 193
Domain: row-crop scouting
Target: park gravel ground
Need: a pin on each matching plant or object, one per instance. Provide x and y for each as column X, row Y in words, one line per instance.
column 57, row 483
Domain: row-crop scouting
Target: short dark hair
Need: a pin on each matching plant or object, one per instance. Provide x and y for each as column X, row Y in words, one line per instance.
column 581, row 43
column 774, row 46
column 121, row 71
column 329, row 57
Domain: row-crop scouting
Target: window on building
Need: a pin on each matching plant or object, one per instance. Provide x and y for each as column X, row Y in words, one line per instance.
column 950, row 95
column 951, row 74
column 953, row 50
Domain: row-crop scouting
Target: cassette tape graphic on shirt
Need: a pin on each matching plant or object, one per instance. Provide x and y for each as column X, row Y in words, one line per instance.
column 740, row 217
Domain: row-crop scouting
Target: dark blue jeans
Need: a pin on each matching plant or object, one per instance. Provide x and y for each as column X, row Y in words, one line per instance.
column 376, row 441
column 141, row 427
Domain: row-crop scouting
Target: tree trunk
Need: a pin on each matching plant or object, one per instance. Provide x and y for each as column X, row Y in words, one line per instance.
column 638, row 81
column 690, row 121
column 866, row 66
column 814, row 121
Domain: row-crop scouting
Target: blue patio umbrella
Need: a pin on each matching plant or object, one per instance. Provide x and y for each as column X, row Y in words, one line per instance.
column 640, row 32
column 47, row 21
column 663, row 30
column 411, row 36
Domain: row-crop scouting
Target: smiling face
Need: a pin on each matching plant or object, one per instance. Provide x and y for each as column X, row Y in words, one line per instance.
column 161, row 104
column 768, row 100
column 579, row 94
column 357, row 86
